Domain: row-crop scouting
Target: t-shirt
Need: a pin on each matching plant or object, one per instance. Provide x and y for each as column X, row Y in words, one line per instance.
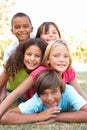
column 70, row 101
column 19, row 78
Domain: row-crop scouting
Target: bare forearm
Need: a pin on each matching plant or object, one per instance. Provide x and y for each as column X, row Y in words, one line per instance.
column 3, row 78
column 17, row 118
column 2, row 93
column 80, row 116
column 7, row 103
column 76, row 85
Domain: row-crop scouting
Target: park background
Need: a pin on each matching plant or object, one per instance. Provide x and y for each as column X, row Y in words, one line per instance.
column 71, row 18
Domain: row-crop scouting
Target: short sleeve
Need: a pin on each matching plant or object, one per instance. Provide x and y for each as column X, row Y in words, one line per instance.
column 9, row 50
column 69, row 75
column 33, row 105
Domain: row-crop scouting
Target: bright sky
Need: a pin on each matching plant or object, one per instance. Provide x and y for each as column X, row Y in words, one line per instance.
column 70, row 15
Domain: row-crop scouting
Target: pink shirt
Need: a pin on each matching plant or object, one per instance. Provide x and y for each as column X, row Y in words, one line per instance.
column 69, row 75
column 35, row 73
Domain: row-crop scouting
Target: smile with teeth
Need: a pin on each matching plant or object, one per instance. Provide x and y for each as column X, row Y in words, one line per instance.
column 31, row 64
column 23, row 35
column 61, row 65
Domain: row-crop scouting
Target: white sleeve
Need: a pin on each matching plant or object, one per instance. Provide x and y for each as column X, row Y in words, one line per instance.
column 8, row 51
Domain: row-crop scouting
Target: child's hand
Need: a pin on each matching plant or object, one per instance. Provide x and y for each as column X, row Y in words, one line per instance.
column 48, row 114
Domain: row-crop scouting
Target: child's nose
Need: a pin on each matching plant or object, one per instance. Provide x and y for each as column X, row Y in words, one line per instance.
column 61, row 58
column 50, row 97
column 21, row 29
column 50, row 35
column 32, row 57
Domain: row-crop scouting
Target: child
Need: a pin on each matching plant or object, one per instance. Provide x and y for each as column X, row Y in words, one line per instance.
column 21, row 27
column 48, row 31
column 53, row 101
column 26, row 58
column 57, row 57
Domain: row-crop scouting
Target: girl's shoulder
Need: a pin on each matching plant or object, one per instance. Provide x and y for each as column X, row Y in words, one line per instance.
column 38, row 70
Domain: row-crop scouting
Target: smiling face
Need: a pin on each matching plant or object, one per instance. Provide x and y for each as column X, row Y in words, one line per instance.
column 49, row 87
column 21, row 28
column 51, row 35
column 59, row 58
column 51, row 97
column 32, row 57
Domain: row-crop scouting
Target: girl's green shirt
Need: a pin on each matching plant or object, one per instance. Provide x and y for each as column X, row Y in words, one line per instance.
column 20, row 76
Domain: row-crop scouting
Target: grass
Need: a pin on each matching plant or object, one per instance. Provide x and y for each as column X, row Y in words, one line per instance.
column 82, row 78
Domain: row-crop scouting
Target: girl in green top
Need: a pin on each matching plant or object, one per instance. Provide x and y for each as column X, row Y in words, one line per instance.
column 25, row 59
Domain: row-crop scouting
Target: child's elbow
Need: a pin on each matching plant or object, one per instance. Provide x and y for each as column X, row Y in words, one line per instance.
column 4, row 119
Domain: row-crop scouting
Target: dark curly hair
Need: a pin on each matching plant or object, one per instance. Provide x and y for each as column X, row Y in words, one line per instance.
column 15, row 61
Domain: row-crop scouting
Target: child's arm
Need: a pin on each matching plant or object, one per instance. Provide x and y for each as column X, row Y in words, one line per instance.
column 3, row 80
column 74, row 83
column 71, row 76
column 21, row 89
column 14, row 116
column 2, row 93
column 78, row 116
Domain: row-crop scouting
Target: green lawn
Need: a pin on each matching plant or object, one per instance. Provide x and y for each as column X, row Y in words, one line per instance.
column 82, row 78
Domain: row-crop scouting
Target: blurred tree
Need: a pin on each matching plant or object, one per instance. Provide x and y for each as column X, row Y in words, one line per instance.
column 6, row 7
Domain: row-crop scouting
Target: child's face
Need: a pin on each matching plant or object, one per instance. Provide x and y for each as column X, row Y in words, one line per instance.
column 51, row 97
column 32, row 57
column 59, row 58
column 51, row 35
column 21, row 28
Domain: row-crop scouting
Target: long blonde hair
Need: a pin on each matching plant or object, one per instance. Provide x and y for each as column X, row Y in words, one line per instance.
column 53, row 45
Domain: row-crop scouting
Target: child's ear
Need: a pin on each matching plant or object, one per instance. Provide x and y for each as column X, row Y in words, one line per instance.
column 12, row 31
column 31, row 29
